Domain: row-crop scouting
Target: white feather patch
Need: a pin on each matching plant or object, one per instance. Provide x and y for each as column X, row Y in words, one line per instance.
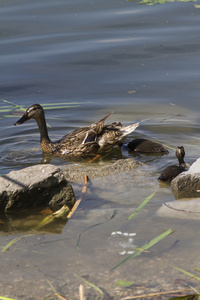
column 128, row 129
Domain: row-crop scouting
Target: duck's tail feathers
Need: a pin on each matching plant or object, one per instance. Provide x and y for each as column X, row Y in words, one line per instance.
column 98, row 126
column 128, row 129
column 104, row 118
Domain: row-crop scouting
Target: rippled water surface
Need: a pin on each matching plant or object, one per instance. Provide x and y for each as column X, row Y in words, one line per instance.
column 81, row 60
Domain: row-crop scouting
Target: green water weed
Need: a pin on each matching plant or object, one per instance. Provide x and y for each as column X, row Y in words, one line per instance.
column 141, row 206
column 5, row 248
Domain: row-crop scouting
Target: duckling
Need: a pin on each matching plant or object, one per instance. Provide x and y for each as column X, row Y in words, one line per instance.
column 85, row 141
column 146, row 146
column 172, row 171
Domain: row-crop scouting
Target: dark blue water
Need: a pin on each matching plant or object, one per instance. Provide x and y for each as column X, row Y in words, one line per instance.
column 84, row 59
column 56, row 51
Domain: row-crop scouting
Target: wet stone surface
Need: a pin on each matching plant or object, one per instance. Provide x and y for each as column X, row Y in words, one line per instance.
column 41, row 185
column 187, row 184
column 35, row 186
column 120, row 166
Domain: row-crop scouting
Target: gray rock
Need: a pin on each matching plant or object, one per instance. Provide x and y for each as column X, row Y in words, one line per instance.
column 182, row 209
column 42, row 185
column 120, row 166
column 187, row 184
column 35, row 186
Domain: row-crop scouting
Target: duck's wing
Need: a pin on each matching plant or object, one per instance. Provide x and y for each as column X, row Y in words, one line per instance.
column 77, row 137
column 79, row 149
column 114, row 135
column 97, row 127
column 85, row 135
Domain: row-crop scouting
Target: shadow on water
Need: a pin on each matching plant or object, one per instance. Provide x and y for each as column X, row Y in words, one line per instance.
column 27, row 222
column 114, row 155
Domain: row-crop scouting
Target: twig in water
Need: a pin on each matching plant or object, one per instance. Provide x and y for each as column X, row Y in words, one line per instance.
column 84, row 190
column 62, row 213
column 156, row 294
column 92, row 285
column 81, row 292
column 94, row 158
column 55, row 293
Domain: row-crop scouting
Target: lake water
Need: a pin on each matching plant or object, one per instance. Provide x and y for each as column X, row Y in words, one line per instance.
column 84, row 59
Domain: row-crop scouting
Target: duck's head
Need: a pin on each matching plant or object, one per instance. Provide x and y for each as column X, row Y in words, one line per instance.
column 32, row 112
column 180, row 153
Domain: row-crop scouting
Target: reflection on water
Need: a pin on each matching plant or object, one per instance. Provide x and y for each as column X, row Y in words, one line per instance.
column 124, row 241
column 26, row 222
column 140, row 62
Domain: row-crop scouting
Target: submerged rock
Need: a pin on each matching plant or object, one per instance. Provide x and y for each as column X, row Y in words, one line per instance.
column 187, row 184
column 45, row 184
column 35, row 186
column 181, row 209
column 186, row 188
column 120, row 166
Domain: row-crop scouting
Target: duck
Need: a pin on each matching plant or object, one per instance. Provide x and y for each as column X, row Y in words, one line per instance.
column 85, row 141
column 169, row 173
column 146, row 146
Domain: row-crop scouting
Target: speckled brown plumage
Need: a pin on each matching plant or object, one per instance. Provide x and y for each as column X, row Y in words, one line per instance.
column 98, row 137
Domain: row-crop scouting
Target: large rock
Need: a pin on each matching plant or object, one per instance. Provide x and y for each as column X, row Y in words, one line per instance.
column 187, row 184
column 35, row 186
column 46, row 184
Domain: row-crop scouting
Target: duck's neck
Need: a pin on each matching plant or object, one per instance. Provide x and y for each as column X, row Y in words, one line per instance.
column 46, row 144
column 181, row 161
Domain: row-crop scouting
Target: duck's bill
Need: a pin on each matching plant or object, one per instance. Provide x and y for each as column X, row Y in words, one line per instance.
column 22, row 120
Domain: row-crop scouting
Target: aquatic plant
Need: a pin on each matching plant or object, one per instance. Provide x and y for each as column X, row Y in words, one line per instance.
column 141, row 206
column 5, row 248
column 152, row 2
column 11, row 109
column 6, row 298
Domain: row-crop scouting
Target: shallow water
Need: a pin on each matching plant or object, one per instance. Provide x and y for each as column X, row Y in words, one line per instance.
column 89, row 58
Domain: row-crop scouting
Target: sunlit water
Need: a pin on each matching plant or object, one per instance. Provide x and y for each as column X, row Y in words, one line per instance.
column 142, row 63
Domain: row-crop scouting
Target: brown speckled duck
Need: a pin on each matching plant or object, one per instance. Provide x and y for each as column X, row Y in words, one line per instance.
column 85, row 141
column 172, row 171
